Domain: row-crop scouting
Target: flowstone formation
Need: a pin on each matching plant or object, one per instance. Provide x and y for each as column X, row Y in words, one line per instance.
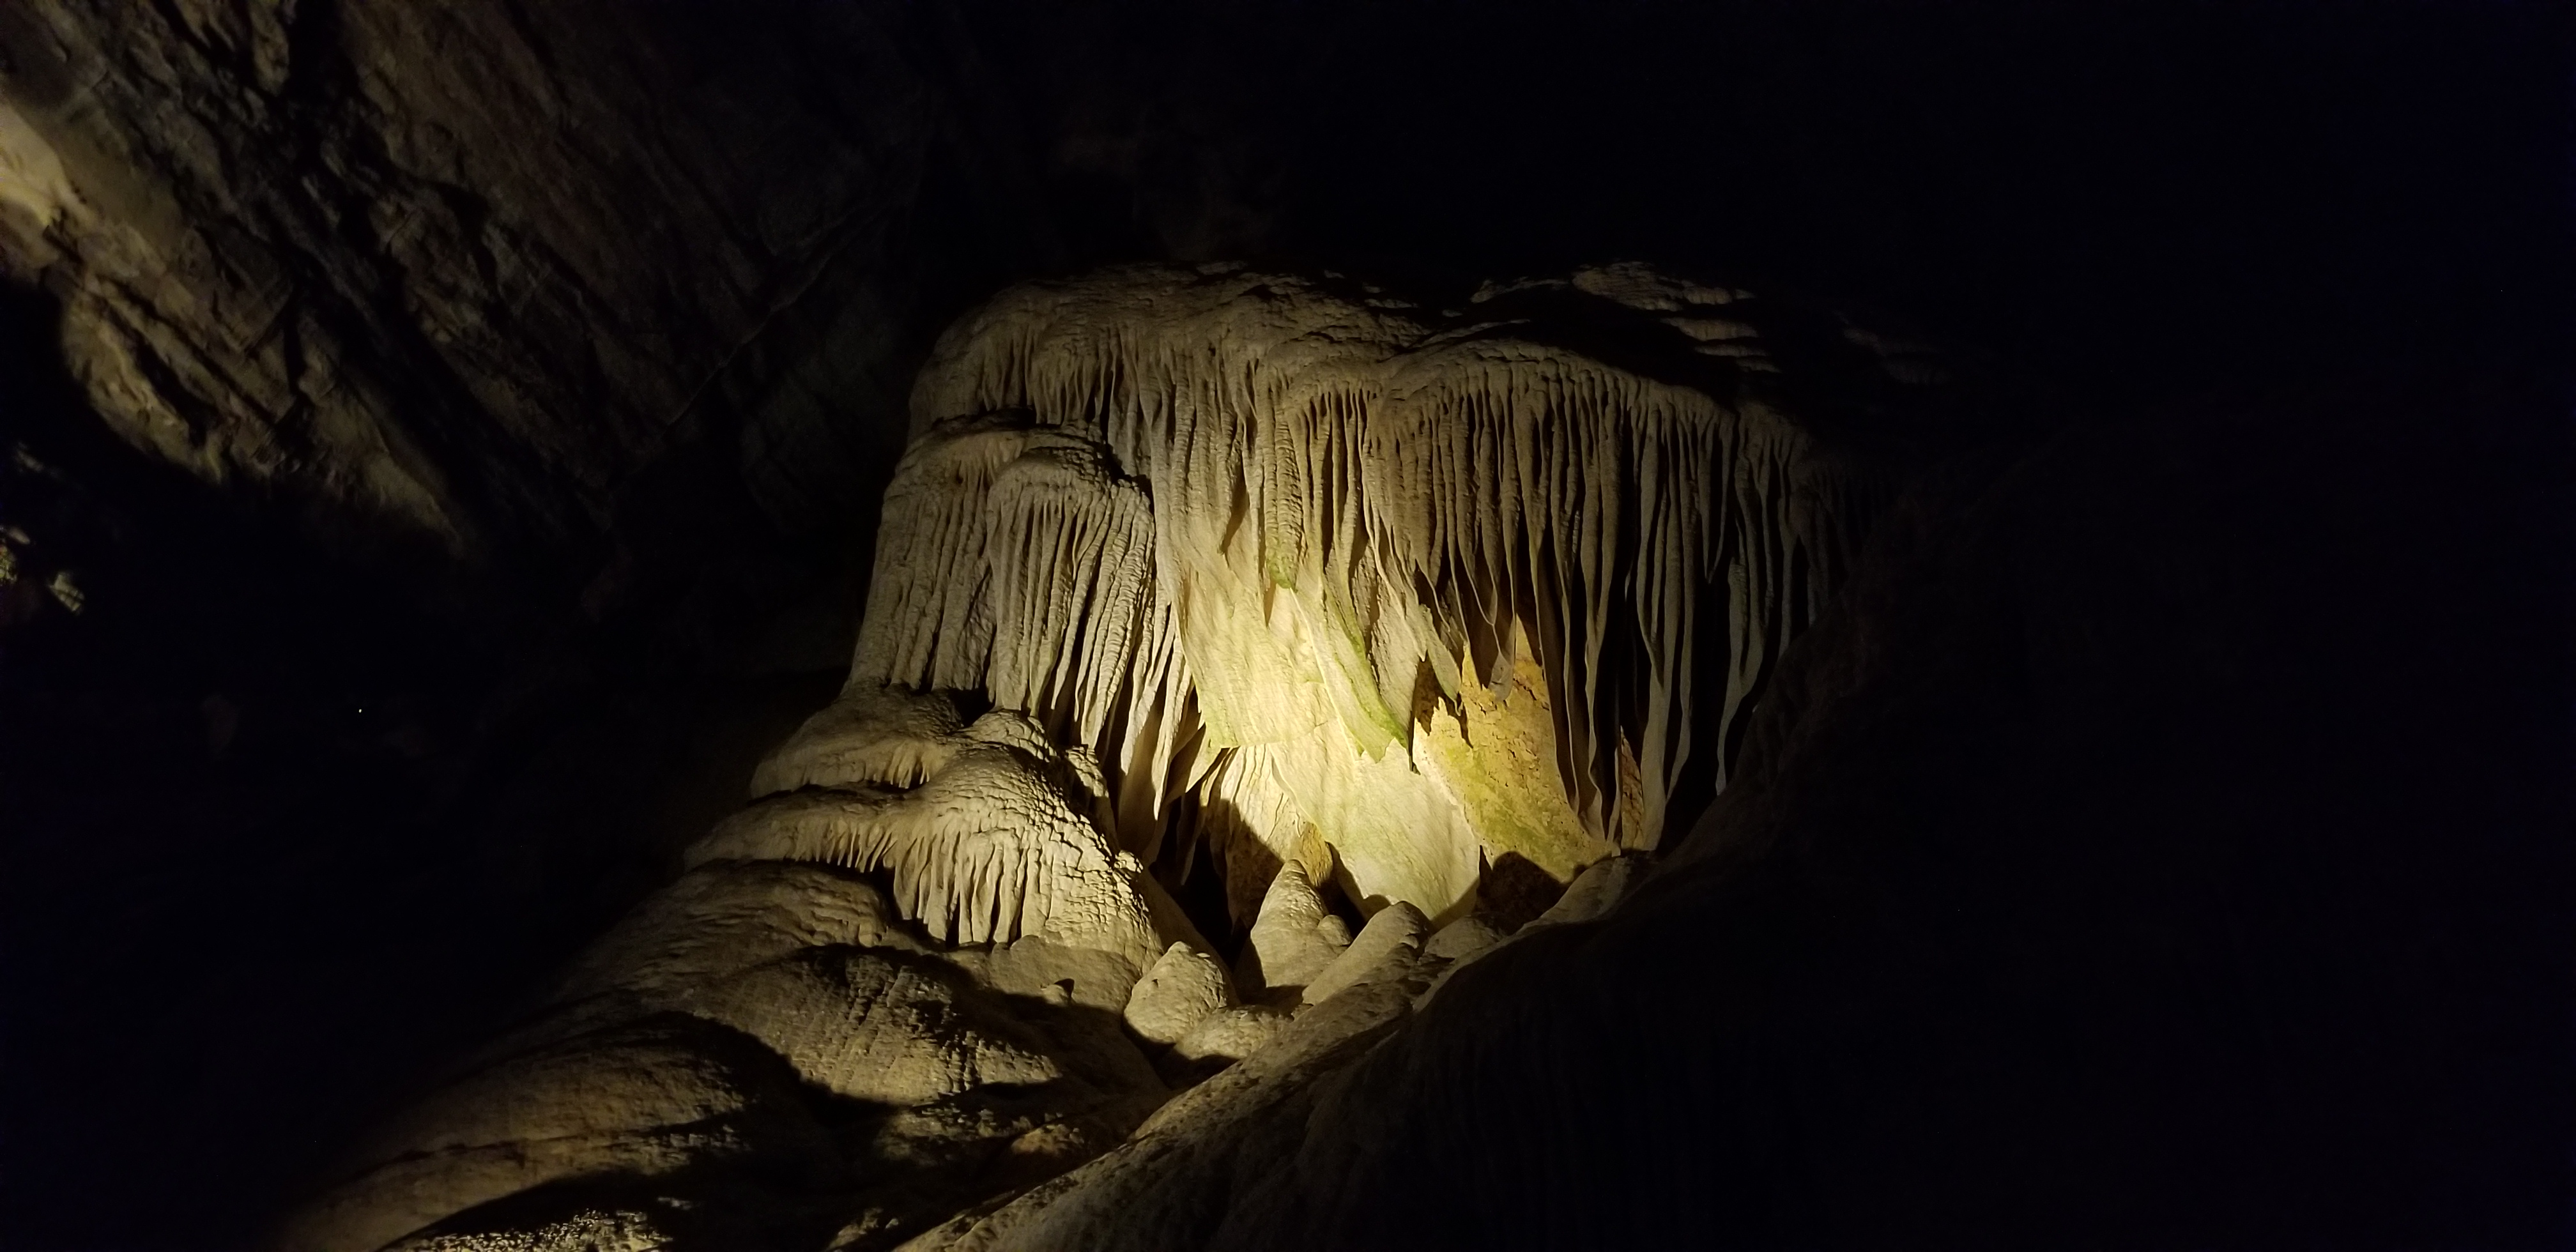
column 1380, row 590
column 1362, row 626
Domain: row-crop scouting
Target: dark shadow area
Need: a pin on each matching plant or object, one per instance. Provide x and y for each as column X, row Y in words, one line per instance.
column 1514, row 891
column 281, row 843
column 1195, row 877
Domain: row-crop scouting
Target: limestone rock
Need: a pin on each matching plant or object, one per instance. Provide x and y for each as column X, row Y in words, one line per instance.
column 1386, row 948
column 1294, row 938
column 744, row 1210
column 871, row 734
column 1038, row 968
column 1150, row 1192
column 1597, row 891
column 1182, row 988
column 1013, row 1050
column 591, row 1230
column 1273, row 570
column 1231, row 1034
column 653, row 1098
column 717, row 921
column 985, row 850
column 1422, row 586
column 879, row 1027
column 1430, row 592
column 1071, row 997
column 1464, row 939
column 728, row 916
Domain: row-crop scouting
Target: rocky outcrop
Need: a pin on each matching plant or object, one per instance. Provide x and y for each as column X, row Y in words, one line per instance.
column 1293, row 937
column 1182, row 989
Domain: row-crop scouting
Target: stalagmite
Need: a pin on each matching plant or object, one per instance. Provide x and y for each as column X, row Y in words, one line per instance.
column 1293, row 939
column 847, row 1021
column 1390, row 941
column 1179, row 992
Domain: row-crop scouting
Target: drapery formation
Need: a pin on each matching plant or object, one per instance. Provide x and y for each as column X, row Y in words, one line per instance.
column 1319, row 575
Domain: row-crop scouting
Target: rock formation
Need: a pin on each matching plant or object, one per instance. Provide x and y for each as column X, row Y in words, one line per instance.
column 1360, row 576
column 1282, row 583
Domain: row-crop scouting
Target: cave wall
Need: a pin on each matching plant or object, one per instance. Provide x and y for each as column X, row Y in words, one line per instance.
column 452, row 277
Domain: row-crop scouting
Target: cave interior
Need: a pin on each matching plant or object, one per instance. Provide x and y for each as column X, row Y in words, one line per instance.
column 449, row 449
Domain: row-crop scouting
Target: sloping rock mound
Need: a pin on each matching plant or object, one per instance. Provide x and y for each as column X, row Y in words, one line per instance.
column 763, row 1037
column 657, row 1097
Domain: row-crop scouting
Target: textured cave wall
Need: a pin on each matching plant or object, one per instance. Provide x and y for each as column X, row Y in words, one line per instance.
column 455, row 276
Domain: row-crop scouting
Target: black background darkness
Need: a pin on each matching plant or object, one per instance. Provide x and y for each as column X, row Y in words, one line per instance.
column 2259, row 613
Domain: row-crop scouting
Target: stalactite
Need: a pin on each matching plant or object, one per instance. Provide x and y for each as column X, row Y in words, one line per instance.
column 1256, row 538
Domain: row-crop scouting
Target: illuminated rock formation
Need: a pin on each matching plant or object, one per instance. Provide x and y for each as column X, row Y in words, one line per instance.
column 1386, row 591
column 1357, row 609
